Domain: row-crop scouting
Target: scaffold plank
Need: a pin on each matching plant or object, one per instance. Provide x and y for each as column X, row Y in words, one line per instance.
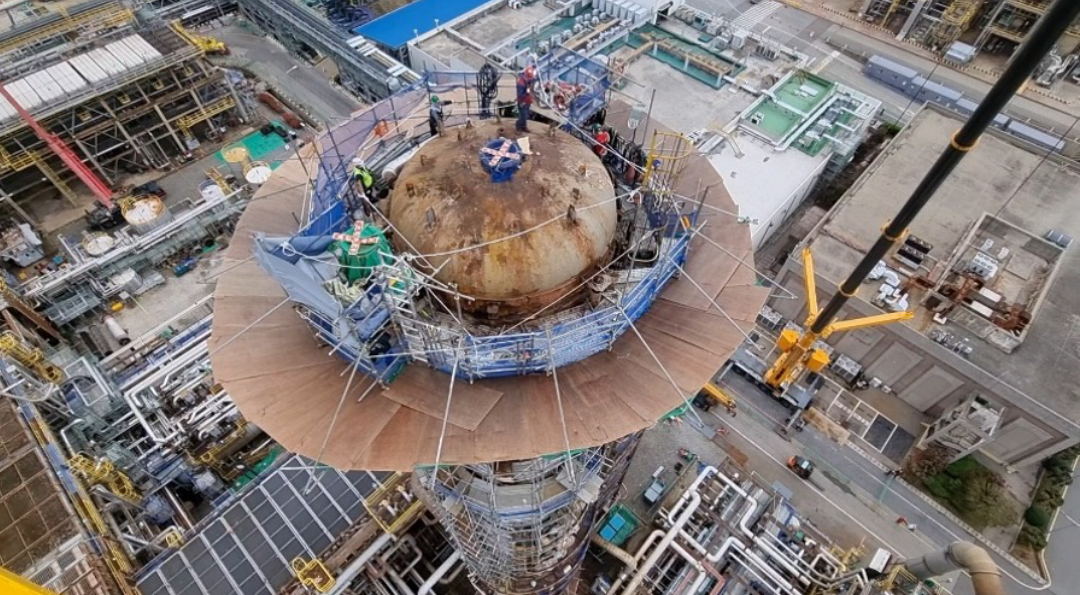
column 427, row 395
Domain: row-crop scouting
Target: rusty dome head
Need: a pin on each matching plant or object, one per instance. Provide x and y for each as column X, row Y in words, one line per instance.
column 516, row 237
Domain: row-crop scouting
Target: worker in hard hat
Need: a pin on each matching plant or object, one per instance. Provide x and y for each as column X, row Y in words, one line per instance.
column 524, row 97
column 436, row 114
column 363, row 177
column 364, row 185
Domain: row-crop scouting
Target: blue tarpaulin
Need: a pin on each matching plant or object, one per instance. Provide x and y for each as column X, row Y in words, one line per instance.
column 395, row 29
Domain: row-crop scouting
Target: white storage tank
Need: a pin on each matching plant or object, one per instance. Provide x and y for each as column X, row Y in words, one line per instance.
column 116, row 331
column 146, row 213
column 210, row 190
column 96, row 244
column 257, row 172
column 127, row 280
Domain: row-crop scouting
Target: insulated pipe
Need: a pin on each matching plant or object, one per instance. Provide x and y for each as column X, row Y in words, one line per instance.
column 960, row 555
column 623, row 556
column 657, row 534
column 755, row 565
column 438, row 574
column 342, row 581
column 635, row 582
column 780, row 559
column 185, row 519
column 402, row 586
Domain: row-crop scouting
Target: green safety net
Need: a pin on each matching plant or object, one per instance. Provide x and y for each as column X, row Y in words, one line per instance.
column 358, row 255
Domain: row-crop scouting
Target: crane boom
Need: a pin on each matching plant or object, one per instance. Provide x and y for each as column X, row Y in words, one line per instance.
column 92, row 181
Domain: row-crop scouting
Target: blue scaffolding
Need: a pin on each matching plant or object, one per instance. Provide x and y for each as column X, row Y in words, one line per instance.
column 378, row 329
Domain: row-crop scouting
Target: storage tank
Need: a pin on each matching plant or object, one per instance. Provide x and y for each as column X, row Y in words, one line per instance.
column 257, row 172
column 210, row 190
column 238, row 157
column 127, row 280
column 145, row 213
column 116, row 331
column 517, row 245
column 96, row 244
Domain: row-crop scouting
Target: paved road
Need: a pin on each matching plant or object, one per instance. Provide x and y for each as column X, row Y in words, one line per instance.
column 843, row 469
column 273, row 64
column 1061, row 555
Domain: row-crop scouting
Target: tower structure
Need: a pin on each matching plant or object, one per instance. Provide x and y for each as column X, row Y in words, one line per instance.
column 510, row 317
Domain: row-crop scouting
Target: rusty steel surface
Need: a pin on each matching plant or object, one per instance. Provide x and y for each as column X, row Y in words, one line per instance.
column 512, row 243
column 289, row 384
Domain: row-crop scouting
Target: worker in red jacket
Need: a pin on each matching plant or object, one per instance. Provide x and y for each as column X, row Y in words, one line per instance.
column 602, row 139
column 524, row 97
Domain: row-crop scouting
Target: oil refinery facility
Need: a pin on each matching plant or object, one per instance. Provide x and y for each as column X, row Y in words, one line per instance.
column 438, row 344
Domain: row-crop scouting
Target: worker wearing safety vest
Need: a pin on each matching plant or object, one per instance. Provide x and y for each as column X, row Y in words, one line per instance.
column 364, row 176
column 524, row 97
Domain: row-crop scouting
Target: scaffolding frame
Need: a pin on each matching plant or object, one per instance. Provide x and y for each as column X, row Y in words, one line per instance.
column 140, row 118
column 520, row 524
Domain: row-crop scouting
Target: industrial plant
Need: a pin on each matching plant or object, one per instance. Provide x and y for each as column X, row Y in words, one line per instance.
column 454, row 297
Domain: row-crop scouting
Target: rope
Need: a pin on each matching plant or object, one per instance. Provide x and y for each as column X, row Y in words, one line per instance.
column 519, row 234
column 446, row 412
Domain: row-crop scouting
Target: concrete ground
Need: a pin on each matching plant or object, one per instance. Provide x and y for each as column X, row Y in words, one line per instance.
column 149, row 310
column 270, row 62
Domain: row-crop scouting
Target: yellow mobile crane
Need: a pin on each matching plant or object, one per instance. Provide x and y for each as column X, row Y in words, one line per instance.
column 799, row 350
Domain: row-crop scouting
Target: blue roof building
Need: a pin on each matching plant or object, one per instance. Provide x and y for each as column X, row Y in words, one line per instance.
column 394, row 29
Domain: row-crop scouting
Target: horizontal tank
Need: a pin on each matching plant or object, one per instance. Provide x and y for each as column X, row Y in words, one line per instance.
column 515, row 246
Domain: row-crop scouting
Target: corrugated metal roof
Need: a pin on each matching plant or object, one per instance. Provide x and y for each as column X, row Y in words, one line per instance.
column 396, row 28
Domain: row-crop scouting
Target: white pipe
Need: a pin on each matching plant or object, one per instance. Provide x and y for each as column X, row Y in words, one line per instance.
column 757, row 566
column 648, row 541
column 342, row 581
column 657, row 534
column 402, row 586
column 695, row 564
column 622, row 555
column 635, row 582
column 439, row 572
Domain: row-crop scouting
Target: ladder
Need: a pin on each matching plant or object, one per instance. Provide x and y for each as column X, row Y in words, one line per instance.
column 399, row 290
